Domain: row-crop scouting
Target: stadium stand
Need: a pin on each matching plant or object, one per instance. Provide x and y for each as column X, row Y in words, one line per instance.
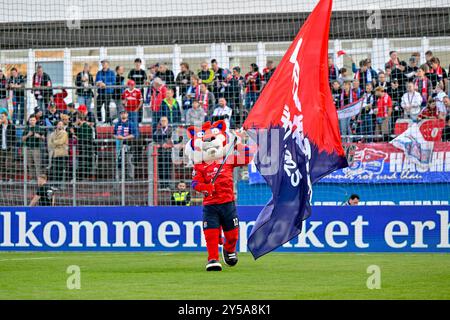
column 384, row 82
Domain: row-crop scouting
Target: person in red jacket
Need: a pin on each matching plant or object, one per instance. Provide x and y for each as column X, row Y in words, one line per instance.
column 58, row 100
column 429, row 112
column 132, row 101
column 159, row 92
column 384, row 112
column 208, row 148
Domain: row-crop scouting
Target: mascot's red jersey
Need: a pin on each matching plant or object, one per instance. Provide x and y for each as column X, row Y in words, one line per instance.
column 207, row 148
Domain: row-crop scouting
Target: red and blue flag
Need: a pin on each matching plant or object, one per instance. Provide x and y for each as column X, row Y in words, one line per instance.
column 295, row 125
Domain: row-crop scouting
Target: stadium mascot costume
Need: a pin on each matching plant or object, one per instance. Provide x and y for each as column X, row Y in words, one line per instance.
column 215, row 153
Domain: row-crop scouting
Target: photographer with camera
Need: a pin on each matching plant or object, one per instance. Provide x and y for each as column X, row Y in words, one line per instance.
column 45, row 194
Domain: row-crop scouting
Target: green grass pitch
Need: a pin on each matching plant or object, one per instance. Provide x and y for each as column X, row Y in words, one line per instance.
column 154, row 275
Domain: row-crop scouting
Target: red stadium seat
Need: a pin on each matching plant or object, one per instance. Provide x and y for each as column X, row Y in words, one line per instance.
column 107, row 132
column 146, row 131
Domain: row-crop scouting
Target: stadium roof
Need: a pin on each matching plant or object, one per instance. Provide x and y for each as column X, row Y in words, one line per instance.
column 55, row 10
column 396, row 23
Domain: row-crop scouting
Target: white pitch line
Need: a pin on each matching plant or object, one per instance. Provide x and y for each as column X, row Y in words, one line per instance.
column 59, row 257
column 20, row 259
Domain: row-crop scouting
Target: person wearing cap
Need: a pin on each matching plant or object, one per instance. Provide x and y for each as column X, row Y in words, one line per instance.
column 132, row 101
column 125, row 132
column 39, row 115
column 90, row 118
column 104, row 79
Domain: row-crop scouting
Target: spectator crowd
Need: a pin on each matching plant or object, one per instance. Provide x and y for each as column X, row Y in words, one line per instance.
column 112, row 97
column 400, row 92
column 57, row 132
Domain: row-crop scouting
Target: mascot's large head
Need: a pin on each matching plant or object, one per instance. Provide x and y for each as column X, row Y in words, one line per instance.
column 207, row 143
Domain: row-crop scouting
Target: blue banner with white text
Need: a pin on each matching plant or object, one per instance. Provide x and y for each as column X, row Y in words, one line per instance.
column 329, row 229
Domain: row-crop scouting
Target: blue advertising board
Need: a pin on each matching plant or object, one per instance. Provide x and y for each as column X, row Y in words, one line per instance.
column 330, row 229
